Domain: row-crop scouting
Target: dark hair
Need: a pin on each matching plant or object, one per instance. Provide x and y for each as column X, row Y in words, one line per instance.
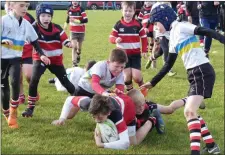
column 100, row 105
column 118, row 55
column 130, row 4
column 90, row 64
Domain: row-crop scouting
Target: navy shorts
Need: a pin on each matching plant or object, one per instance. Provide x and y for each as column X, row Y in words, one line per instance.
column 201, row 79
column 27, row 61
column 134, row 61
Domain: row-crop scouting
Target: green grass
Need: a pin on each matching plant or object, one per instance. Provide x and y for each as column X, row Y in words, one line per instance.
column 37, row 136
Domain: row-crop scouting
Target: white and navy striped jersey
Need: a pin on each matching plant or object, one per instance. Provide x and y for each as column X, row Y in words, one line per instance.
column 18, row 33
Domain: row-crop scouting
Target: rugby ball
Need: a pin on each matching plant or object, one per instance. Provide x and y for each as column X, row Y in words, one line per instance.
column 108, row 131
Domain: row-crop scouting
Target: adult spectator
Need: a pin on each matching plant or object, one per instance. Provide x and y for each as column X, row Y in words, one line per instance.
column 208, row 14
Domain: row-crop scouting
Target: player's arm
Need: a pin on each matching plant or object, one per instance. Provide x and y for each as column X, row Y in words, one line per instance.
column 123, row 142
column 70, row 108
column 142, row 132
column 144, row 40
column 84, row 16
column 165, row 69
column 67, row 21
column 114, row 35
column 209, row 33
column 96, row 84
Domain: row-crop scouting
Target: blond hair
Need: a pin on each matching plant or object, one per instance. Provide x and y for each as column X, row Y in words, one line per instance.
column 136, row 96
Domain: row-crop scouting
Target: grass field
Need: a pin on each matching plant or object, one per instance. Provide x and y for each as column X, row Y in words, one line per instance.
column 37, row 136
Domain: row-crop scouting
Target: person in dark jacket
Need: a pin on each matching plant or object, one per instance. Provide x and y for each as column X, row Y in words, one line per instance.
column 208, row 14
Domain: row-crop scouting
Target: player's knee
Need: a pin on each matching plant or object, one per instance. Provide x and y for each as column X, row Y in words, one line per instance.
column 74, row 49
column 190, row 113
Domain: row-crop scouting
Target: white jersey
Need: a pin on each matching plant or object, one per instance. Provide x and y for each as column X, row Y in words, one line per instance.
column 100, row 69
column 74, row 74
column 186, row 44
column 11, row 30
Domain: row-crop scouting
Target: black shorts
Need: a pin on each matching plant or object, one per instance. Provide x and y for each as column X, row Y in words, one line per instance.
column 81, row 92
column 201, row 79
column 27, row 61
column 134, row 61
column 77, row 36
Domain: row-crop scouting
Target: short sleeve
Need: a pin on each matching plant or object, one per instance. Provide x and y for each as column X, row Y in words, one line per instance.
column 187, row 28
column 98, row 69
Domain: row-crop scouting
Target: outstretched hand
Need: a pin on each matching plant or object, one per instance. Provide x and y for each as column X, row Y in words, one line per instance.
column 59, row 122
column 147, row 85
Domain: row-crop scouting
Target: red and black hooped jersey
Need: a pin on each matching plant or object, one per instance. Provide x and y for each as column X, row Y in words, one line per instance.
column 79, row 14
column 131, row 34
column 142, row 118
column 51, row 41
column 28, row 48
column 124, row 113
column 144, row 16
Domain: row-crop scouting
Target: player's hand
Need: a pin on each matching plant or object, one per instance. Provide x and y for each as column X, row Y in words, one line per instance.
column 98, row 139
column 59, row 122
column 7, row 42
column 145, row 55
column 117, row 91
column 45, row 59
column 69, row 44
column 76, row 21
column 146, row 30
column 147, row 85
column 109, row 94
column 118, row 40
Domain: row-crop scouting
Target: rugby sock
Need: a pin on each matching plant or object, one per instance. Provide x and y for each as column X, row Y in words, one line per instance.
column 14, row 104
column 31, row 102
column 194, row 127
column 31, row 105
column 129, row 85
column 206, row 136
column 6, row 113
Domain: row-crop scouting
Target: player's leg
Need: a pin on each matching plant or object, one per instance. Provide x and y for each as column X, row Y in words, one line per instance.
column 79, row 46
column 27, row 72
column 60, row 73
column 74, row 49
column 14, row 73
column 5, row 89
column 128, row 75
column 37, row 71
